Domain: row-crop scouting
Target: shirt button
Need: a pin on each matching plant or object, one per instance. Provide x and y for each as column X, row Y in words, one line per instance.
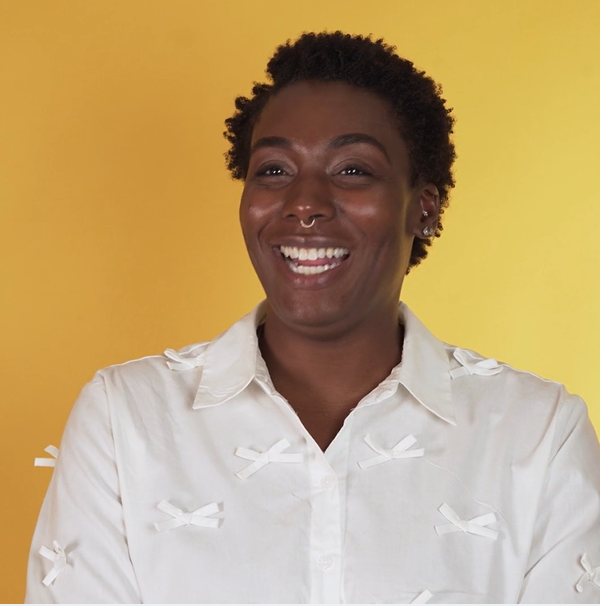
column 326, row 562
column 327, row 482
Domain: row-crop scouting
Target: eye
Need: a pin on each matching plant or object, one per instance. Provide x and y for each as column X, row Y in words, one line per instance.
column 271, row 170
column 355, row 171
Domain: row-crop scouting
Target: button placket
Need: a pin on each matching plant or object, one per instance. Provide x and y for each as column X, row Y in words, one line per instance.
column 328, row 482
column 326, row 562
column 325, row 532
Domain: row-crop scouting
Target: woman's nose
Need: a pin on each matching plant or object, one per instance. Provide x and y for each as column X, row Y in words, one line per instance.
column 309, row 196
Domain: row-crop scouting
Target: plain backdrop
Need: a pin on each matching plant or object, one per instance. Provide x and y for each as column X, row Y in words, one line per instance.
column 118, row 222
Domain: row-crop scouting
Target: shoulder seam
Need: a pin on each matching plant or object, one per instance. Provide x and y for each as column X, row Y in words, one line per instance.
column 161, row 356
column 448, row 346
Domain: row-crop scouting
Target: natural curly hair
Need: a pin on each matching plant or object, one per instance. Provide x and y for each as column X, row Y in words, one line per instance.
column 424, row 121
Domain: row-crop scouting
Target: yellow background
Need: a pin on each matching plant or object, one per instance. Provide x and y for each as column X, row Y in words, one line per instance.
column 118, row 222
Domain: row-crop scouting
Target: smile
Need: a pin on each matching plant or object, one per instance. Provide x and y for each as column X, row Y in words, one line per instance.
column 311, row 261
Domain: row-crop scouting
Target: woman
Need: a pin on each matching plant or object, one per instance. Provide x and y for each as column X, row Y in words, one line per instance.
column 327, row 447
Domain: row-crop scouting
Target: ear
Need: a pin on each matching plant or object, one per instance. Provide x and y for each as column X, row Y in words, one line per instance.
column 425, row 211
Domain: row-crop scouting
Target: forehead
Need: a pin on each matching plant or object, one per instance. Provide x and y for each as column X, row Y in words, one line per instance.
column 311, row 111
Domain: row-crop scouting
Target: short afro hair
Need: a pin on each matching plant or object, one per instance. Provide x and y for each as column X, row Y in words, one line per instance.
column 425, row 123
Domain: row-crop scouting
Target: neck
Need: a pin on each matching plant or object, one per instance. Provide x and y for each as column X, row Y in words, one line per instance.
column 324, row 377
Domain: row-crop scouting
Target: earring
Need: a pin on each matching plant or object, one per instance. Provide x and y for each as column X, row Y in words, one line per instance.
column 425, row 213
column 428, row 232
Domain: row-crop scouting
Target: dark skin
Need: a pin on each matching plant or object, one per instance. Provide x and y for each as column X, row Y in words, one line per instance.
column 324, row 394
column 333, row 153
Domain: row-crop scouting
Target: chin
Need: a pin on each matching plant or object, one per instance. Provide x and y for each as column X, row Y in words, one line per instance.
column 307, row 311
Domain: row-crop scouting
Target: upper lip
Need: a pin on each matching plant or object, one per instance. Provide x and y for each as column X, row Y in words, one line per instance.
column 310, row 242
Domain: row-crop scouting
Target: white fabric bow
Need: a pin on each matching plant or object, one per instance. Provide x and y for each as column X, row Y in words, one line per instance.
column 471, row 365
column 423, row 597
column 44, row 461
column 591, row 574
column 182, row 363
column 58, row 559
column 400, row 451
column 199, row 517
column 273, row 455
column 473, row 526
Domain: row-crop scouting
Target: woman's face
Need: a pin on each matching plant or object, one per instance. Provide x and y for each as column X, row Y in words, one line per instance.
column 330, row 152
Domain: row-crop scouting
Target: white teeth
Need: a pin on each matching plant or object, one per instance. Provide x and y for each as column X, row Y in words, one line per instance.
column 311, row 269
column 293, row 254
column 312, row 254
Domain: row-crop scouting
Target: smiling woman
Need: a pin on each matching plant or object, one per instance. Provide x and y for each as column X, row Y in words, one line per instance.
column 323, row 154
column 327, row 448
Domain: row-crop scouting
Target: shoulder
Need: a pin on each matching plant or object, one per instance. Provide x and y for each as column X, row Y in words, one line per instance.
column 143, row 387
column 154, row 368
column 466, row 363
column 481, row 388
column 532, row 420
column 494, row 387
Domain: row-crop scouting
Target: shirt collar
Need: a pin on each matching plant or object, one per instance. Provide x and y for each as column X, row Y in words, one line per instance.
column 232, row 360
column 425, row 367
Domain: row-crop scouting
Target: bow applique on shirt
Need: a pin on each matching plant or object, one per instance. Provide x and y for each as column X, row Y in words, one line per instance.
column 58, row 557
column 591, row 574
column 198, row 517
column 472, row 365
column 400, row 451
column 273, row 455
column 423, row 597
column 44, row 461
column 473, row 526
column 181, row 362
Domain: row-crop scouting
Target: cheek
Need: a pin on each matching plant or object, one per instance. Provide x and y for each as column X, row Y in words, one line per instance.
column 380, row 218
column 386, row 230
column 256, row 208
column 255, row 216
column 249, row 215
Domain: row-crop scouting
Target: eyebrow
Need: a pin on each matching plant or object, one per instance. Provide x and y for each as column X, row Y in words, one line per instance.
column 271, row 142
column 337, row 142
column 353, row 138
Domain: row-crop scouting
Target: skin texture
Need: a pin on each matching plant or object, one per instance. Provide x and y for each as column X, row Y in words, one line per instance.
column 332, row 152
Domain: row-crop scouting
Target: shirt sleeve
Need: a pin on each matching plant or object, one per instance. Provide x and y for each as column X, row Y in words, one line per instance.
column 81, row 529
column 564, row 563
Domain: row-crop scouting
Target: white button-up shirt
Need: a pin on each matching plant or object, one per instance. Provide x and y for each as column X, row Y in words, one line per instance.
column 186, row 477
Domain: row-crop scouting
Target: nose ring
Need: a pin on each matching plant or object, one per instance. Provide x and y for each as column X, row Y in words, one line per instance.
column 307, row 225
